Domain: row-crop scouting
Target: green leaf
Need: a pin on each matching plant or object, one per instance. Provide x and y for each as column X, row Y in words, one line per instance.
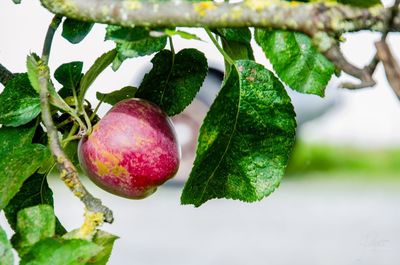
column 360, row 3
column 19, row 103
column 245, row 139
column 6, row 255
column 52, row 251
column 19, row 159
column 295, row 60
column 34, row 191
column 69, row 75
column 174, row 80
column 16, row 2
column 106, row 241
column 118, row 95
column 183, row 34
column 99, row 65
column 75, row 31
column 236, row 43
column 133, row 42
column 33, row 224
column 32, row 64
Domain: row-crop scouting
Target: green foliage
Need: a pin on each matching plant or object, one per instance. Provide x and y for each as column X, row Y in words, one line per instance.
column 57, row 251
column 33, row 224
column 106, row 241
column 99, row 65
column 117, row 95
column 19, row 159
column 181, row 33
column 34, row 191
column 174, row 80
column 361, row 3
column 75, row 31
column 245, row 139
column 69, row 75
column 133, row 42
column 236, row 43
column 6, row 255
column 19, row 103
column 295, row 60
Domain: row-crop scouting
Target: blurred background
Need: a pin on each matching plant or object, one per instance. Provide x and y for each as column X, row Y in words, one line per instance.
column 338, row 204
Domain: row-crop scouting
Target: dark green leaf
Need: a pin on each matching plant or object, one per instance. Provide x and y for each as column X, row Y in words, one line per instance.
column 33, row 224
column 106, row 241
column 99, row 65
column 118, row 95
column 75, row 31
column 245, row 139
column 17, row 1
column 19, row 103
column 361, row 3
column 133, row 42
column 6, row 255
column 69, row 75
column 34, row 191
column 174, row 80
column 295, row 60
column 53, row 251
column 19, row 159
column 236, row 43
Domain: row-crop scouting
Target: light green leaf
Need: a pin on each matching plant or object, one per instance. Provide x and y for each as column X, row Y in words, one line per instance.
column 118, row 95
column 52, row 251
column 295, row 60
column 19, row 159
column 99, row 65
column 174, row 80
column 6, row 255
column 75, row 31
column 133, row 42
column 183, row 34
column 106, row 241
column 19, row 103
column 33, row 224
column 34, row 191
column 245, row 139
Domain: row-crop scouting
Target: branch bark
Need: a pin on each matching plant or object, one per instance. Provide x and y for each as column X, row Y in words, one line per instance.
column 309, row 18
column 5, row 75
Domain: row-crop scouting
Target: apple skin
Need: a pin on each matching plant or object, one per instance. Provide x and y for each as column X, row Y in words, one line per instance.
column 132, row 150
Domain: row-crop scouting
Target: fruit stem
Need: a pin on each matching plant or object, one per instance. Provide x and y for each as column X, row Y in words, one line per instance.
column 68, row 171
column 218, row 46
column 97, row 108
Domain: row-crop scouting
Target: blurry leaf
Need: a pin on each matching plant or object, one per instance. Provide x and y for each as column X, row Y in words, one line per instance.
column 133, row 42
column 174, row 80
column 33, row 224
column 6, row 255
column 106, row 241
column 69, row 75
column 19, row 159
column 16, row 2
column 181, row 33
column 75, row 31
column 295, row 60
column 245, row 139
column 34, row 191
column 19, row 103
column 99, row 65
column 361, row 3
column 52, row 251
column 236, row 43
column 118, row 95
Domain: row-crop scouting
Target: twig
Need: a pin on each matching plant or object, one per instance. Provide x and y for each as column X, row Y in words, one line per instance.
column 391, row 66
column 68, row 172
column 5, row 75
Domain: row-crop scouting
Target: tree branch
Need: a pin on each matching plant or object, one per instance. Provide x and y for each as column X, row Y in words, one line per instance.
column 5, row 75
column 309, row 18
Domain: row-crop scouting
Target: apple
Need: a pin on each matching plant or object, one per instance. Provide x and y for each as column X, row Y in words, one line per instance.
column 131, row 150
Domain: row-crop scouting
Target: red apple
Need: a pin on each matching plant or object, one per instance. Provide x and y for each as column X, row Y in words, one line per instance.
column 132, row 150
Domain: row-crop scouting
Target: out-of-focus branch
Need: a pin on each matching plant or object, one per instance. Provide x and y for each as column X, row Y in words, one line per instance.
column 391, row 66
column 5, row 75
column 305, row 17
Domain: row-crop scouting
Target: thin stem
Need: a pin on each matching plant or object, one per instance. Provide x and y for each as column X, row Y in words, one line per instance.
column 220, row 49
column 97, row 108
column 5, row 75
column 68, row 172
column 49, row 38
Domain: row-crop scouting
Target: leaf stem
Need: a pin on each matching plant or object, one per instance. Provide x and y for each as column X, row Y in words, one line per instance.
column 218, row 46
column 97, row 108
